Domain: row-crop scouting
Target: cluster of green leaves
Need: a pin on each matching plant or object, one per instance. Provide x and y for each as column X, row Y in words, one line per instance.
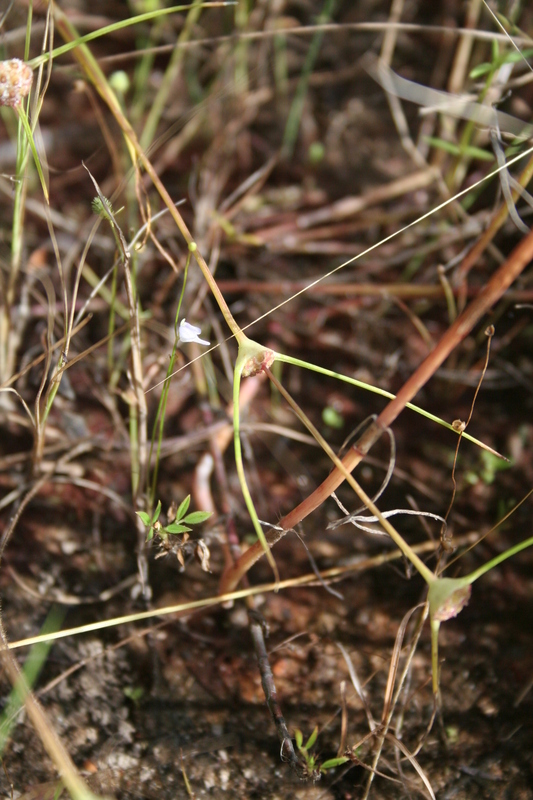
column 180, row 523
column 310, row 759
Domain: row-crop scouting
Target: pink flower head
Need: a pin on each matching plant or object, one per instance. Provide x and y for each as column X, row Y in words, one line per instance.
column 16, row 79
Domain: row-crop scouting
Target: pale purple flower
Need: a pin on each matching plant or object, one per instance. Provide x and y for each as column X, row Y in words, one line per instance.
column 189, row 333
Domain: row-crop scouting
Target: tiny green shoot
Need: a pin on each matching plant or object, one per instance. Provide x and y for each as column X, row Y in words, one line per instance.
column 179, row 525
column 311, row 760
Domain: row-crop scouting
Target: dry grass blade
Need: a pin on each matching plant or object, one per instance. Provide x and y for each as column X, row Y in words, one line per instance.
column 447, row 103
column 414, row 763
column 358, row 687
column 393, row 669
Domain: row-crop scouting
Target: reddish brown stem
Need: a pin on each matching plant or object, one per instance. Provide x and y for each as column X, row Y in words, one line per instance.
column 492, row 292
column 499, row 218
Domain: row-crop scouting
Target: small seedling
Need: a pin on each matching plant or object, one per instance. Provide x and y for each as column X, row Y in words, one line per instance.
column 134, row 693
column 178, row 525
column 311, row 761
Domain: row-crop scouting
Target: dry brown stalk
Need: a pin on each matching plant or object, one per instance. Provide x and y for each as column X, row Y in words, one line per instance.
column 407, row 290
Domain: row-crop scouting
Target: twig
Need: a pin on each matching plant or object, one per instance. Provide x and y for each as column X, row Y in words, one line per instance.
column 287, row 751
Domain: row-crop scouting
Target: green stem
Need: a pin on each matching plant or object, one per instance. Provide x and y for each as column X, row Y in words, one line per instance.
column 242, row 359
column 295, row 114
column 161, row 409
column 376, row 390
column 169, row 78
column 116, row 26
column 497, row 560
column 29, row 133
column 435, row 626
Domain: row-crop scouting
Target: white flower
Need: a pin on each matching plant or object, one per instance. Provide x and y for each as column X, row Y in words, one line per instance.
column 189, row 333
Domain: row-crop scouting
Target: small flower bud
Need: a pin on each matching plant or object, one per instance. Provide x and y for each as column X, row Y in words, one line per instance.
column 16, row 79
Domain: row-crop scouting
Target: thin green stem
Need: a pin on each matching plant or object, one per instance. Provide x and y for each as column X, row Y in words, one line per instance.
column 169, row 78
column 160, row 416
column 116, row 26
column 435, row 627
column 21, row 184
column 376, row 390
column 111, row 323
column 473, row 576
column 242, row 359
column 295, row 114
column 29, row 134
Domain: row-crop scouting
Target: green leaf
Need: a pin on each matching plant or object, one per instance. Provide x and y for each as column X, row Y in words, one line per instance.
column 196, row 517
column 156, row 512
column 514, row 57
column 144, row 517
column 509, row 58
column 333, row 762
column 477, row 152
column 491, row 466
column 133, row 692
column 312, row 739
column 442, row 144
column 480, row 70
column 175, row 527
column 455, row 150
column 184, row 507
column 298, row 736
column 150, row 535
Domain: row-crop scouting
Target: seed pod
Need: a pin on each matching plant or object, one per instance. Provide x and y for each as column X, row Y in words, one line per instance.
column 16, row 79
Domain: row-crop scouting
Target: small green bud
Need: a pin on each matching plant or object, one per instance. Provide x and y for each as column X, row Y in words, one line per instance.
column 119, row 81
column 316, row 153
